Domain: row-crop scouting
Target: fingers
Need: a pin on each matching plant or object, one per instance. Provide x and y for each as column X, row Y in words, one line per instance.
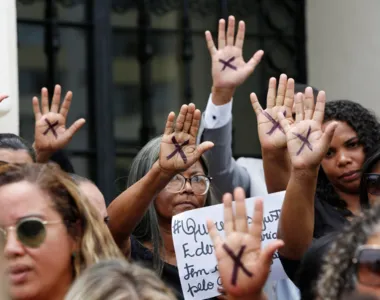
column 230, row 31
column 74, row 128
column 299, row 107
column 240, row 35
column 255, row 60
column 222, row 34
column 266, row 256
column 36, row 108
column 271, row 96
column 283, row 122
column 202, row 148
column 241, row 213
column 214, row 235
column 329, row 133
column 189, row 118
column 257, row 223
column 169, row 124
column 66, row 104
column 195, row 123
column 56, row 99
column 308, row 104
column 289, row 95
column 229, row 224
column 210, row 43
column 44, row 101
column 319, row 111
column 281, row 90
column 3, row 97
column 256, row 104
column 181, row 118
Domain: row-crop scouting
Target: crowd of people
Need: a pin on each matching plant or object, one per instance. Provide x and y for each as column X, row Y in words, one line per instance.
column 59, row 241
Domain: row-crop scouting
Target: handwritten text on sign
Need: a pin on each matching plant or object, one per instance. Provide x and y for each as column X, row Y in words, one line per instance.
column 196, row 260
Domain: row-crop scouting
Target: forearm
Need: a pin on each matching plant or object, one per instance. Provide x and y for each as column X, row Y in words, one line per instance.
column 296, row 224
column 276, row 169
column 129, row 207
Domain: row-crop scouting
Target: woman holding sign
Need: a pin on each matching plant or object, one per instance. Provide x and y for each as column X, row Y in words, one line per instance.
column 167, row 177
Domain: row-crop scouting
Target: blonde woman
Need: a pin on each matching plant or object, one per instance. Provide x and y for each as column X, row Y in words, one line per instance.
column 48, row 232
column 118, row 279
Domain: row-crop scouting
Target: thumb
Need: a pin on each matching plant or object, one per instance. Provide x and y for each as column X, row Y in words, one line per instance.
column 267, row 253
column 205, row 146
column 3, row 97
column 329, row 133
column 74, row 128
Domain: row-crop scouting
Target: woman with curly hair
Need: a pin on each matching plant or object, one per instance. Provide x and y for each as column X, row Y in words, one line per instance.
column 323, row 189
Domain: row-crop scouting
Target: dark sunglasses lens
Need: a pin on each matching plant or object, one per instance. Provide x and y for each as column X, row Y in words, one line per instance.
column 373, row 184
column 369, row 267
column 31, row 233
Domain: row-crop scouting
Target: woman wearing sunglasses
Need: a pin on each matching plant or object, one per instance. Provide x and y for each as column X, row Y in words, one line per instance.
column 48, row 232
column 167, row 177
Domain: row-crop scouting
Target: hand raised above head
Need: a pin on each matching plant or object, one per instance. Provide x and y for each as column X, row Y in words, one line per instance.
column 51, row 133
column 307, row 143
column 243, row 266
column 271, row 134
column 178, row 150
column 229, row 70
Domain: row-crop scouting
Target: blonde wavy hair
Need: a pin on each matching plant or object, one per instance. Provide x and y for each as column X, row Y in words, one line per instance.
column 119, row 280
column 82, row 222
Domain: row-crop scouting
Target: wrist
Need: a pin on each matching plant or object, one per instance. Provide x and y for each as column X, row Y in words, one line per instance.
column 221, row 96
column 162, row 172
column 305, row 173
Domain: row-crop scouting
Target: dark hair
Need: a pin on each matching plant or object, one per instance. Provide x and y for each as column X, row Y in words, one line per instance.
column 368, row 166
column 61, row 158
column 366, row 126
column 338, row 272
column 15, row 142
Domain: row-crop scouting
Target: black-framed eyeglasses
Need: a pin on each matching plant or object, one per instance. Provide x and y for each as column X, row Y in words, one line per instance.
column 199, row 183
column 367, row 265
column 372, row 183
column 31, row 232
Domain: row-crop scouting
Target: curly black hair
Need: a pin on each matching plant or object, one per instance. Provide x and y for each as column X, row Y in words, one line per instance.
column 338, row 272
column 367, row 127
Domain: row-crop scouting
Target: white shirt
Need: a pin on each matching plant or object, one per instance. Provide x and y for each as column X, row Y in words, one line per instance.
column 216, row 116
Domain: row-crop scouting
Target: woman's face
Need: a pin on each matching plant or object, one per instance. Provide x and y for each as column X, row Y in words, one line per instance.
column 374, row 198
column 15, row 156
column 168, row 204
column 344, row 159
column 34, row 273
column 368, row 274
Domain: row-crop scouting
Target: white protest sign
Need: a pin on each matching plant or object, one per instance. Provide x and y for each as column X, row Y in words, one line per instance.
column 194, row 250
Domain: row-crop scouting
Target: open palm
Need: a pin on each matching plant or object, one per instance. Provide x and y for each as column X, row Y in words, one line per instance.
column 307, row 143
column 272, row 136
column 229, row 69
column 51, row 133
column 178, row 150
column 243, row 265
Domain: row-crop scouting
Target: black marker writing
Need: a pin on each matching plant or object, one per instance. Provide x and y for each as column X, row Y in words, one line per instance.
column 275, row 123
column 305, row 141
column 178, row 148
column 51, row 127
column 191, row 272
column 273, row 216
column 190, row 227
column 237, row 263
column 201, row 286
column 203, row 249
column 228, row 63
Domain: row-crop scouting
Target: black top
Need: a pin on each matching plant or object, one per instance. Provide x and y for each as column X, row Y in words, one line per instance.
column 169, row 275
column 328, row 221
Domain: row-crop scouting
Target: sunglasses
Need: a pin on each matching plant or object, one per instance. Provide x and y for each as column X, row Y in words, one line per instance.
column 372, row 183
column 367, row 265
column 31, row 232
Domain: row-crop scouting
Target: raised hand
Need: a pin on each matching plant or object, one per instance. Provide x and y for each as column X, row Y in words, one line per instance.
column 229, row 69
column 243, row 265
column 307, row 143
column 271, row 134
column 178, row 150
column 51, row 133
